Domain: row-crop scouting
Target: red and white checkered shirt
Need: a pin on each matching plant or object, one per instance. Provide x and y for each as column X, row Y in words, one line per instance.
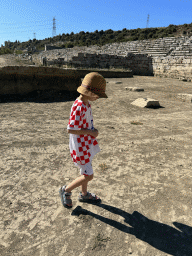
column 82, row 147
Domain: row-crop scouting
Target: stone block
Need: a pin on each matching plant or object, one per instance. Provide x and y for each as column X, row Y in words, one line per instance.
column 146, row 103
column 183, row 79
column 134, row 89
column 81, row 54
column 118, row 82
column 185, row 97
column 187, row 61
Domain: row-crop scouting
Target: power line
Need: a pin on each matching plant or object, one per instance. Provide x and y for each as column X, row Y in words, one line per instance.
column 17, row 31
column 9, row 30
column 5, row 23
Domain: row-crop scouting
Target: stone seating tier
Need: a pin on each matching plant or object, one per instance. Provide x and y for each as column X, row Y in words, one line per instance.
column 155, row 47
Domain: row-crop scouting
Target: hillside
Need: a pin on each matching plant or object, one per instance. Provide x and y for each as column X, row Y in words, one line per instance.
column 99, row 38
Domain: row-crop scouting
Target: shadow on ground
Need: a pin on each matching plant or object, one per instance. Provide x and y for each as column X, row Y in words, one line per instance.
column 47, row 96
column 161, row 236
column 155, row 107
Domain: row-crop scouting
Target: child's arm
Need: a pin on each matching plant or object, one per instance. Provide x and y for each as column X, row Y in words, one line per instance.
column 93, row 133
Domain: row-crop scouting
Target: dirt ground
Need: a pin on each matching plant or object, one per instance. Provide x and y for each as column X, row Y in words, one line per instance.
column 142, row 174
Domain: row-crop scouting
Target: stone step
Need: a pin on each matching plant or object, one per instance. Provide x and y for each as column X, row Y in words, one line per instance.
column 181, row 55
column 162, row 55
column 156, row 53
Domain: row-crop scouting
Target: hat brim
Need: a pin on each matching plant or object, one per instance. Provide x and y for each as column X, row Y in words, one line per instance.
column 88, row 93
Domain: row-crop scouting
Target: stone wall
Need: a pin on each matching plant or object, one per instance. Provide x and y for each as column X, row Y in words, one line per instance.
column 173, row 67
column 26, row 79
column 23, row 80
column 51, row 47
column 106, row 73
column 140, row 64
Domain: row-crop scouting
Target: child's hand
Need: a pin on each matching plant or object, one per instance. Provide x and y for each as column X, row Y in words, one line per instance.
column 95, row 133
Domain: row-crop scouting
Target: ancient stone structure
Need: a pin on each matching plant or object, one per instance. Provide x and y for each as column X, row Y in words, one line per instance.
column 168, row 57
column 140, row 64
column 23, row 80
column 146, row 103
column 51, row 47
column 173, row 67
column 27, row 79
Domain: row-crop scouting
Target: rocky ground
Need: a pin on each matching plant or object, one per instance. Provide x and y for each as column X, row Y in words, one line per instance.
column 142, row 174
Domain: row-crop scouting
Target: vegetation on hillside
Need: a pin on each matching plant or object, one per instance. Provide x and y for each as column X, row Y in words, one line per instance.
column 100, row 37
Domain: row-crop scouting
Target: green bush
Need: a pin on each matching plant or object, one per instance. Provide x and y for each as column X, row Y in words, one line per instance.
column 41, row 48
column 69, row 45
column 5, row 51
column 155, row 36
column 18, row 52
column 142, row 37
column 150, row 35
column 161, row 30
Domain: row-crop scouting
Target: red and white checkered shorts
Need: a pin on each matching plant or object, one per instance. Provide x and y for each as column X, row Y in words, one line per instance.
column 86, row 169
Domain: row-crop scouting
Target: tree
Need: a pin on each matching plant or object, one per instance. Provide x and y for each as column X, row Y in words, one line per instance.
column 109, row 31
column 7, row 43
column 81, row 33
column 69, row 45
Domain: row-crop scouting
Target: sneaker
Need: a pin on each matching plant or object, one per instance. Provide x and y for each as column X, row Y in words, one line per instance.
column 65, row 197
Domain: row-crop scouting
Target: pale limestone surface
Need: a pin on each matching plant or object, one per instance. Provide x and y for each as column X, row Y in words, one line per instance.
column 146, row 102
column 185, row 96
column 142, row 174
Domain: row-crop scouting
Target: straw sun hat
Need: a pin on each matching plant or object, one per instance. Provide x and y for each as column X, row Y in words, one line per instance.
column 93, row 84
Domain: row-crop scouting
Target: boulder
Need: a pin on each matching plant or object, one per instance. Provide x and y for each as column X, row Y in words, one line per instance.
column 185, row 97
column 116, row 82
column 134, row 89
column 146, row 102
column 182, row 79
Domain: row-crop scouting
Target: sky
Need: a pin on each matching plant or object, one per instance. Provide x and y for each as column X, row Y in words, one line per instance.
column 28, row 19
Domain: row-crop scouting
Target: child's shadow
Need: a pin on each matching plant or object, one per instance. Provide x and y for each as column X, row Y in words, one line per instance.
column 161, row 236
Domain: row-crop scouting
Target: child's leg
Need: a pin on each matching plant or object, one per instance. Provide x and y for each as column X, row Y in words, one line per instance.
column 86, row 176
column 84, row 184
column 87, row 171
column 80, row 181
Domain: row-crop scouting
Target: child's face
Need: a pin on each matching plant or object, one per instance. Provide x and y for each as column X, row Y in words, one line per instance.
column 94, row 98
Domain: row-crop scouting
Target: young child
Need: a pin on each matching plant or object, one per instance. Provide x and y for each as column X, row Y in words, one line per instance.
column 83, row 144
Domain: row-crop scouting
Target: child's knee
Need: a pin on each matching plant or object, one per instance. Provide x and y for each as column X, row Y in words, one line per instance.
column 89, row 177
